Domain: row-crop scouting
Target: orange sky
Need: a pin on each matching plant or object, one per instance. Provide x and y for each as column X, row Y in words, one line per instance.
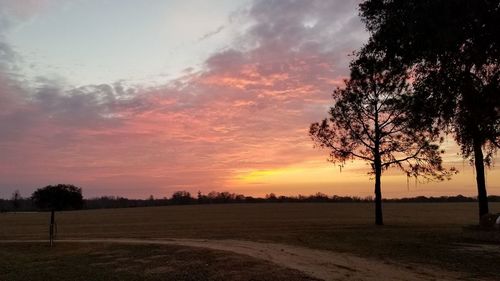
column 238, row 121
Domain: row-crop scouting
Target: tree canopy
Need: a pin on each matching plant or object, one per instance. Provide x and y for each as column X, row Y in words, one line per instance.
column 181, row 197
column 58, row 197
column 452, row 49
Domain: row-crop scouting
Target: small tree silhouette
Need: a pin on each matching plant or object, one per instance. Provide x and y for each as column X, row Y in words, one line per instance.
column 370, row 120
column 56, row 198
column 181, row 197
column 16, row 200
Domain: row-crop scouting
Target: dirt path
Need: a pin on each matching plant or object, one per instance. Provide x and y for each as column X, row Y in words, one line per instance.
column 325, row 265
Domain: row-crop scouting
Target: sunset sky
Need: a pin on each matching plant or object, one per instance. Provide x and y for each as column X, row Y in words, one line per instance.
column 132, row 98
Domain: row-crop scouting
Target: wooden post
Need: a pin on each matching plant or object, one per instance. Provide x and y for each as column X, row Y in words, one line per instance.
column 51, row 230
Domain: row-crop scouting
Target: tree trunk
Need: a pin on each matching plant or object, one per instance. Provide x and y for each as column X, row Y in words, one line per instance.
column 482, row 196
column 378, row 192
column 51, row 230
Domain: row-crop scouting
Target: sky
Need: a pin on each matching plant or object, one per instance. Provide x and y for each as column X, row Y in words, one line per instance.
column 138, row 98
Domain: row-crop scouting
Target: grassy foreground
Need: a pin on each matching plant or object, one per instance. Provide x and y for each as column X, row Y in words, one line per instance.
column 422, row 233
column 36, row 262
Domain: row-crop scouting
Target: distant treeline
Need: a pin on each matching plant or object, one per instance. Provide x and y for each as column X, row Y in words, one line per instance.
column 185, row 198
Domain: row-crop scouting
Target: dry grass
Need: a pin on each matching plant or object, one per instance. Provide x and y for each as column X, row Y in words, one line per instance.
column 414, row 232
column 250, row 221
column 75, row 262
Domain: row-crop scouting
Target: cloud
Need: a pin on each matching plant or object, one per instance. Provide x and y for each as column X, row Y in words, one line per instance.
column 212, row 33
column 249, row 107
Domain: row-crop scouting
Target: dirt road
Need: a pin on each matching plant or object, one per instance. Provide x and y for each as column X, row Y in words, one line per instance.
column 325, row 265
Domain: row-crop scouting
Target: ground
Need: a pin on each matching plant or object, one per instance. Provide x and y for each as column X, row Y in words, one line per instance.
column 105, row 261
column 416, row 235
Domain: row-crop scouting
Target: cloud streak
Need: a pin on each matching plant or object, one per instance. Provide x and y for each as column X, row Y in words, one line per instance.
column 212, row 33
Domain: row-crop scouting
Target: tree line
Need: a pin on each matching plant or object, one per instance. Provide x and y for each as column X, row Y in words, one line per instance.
column 17, row 203
column 430, row 68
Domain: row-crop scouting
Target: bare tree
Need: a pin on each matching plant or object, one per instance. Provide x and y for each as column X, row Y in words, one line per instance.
column 371, row 120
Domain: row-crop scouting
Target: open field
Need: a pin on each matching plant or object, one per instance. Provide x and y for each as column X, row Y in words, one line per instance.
column 416, row 234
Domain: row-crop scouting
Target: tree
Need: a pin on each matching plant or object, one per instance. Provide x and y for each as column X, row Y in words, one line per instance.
column 181, row 197
column 151, row 201
column 453, row 50
column 370, row 121
column 56, row 198
column 16, row 200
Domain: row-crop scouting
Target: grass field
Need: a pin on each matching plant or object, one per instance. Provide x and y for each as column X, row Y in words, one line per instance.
column 415, row 233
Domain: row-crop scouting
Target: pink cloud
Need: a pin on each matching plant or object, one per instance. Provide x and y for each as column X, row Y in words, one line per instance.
column 248, row 108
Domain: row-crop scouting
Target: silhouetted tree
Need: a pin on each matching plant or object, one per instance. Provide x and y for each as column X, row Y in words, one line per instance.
column 369, row 121
column 271, row 197
column 56, row 198
column 181, row 197
column 453, row 50
column 16, row 200
column 151, row 200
